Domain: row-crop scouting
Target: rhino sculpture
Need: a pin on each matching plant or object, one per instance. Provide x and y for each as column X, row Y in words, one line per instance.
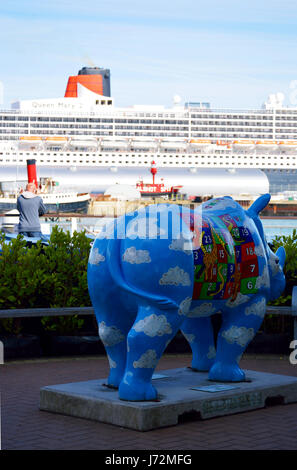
column 165, row 268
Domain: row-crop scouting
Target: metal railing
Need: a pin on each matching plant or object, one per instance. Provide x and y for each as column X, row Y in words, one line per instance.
column 54, row 312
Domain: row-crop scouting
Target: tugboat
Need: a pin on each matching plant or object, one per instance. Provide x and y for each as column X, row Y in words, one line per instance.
column 156, row 189
column 54, row 201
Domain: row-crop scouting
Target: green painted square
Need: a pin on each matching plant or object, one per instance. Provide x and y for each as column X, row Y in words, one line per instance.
column 207, row 289
column 248, row 285
column 196, row 274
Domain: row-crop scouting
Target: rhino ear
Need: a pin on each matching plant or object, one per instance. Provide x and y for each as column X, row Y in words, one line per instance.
column 259, row 205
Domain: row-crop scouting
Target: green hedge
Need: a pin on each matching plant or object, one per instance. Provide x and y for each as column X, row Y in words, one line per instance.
column 56, row 275
column 290, row 268
column 45, row 276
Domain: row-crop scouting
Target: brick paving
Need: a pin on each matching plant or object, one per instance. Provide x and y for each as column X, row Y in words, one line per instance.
column 25, row 427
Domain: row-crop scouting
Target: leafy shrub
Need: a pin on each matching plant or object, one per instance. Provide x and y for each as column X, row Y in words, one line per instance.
column 45, row 276
column 62, row 324
column 290, row 268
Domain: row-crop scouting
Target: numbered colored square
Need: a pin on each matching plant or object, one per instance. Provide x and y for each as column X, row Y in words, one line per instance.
column 248, row 252
column 250, row 269
column 197, row 290
column 248, row 285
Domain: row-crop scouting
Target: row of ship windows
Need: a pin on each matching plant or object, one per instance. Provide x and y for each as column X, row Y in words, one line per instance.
column 164, row 162
column 48, row 129
column 197, row 157
column 216, row 119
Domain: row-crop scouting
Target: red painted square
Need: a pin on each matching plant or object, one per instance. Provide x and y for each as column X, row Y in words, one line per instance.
column 197, row 290
column 248, row 252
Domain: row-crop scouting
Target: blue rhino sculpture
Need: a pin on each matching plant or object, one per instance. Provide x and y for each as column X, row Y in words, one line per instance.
column 165, row 268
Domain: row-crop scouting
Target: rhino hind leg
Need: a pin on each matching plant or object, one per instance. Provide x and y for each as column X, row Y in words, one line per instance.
column 240, row 324
column 113, row 334
column 147, row 340
column 199, row 333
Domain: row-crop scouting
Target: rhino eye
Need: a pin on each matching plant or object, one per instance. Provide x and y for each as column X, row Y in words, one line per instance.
column 276, row 261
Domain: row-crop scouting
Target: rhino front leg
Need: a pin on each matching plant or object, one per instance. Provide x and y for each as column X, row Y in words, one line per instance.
column 240, row 324
column 199, row 333
column 147, row 339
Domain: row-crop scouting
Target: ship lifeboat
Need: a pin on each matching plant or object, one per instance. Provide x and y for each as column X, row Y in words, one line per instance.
column 200, row 142
column 144, row 144
column 288, row 145
column 223, row 143
column 241, row 144
column 266, row 145
column 55, row 140
column 30, row 141
column 173, row 145
column 83, row 143
column 114, row 144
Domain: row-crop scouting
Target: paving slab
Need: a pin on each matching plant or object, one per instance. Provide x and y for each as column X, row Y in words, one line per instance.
column 183, row 395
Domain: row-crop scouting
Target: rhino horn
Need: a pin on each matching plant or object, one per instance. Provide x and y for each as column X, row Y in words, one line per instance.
column 281, row 254
column 259, row 205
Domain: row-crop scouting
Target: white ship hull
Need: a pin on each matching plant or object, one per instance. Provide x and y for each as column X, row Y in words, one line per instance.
column 204, row 159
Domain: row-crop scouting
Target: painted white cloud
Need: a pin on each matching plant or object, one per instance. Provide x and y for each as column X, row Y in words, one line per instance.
column 263, row 280
column 133, row 256
column 147, row 360
column 189, row 337
column 239, row 335
column 258, row 308
column 96, row 257
column 142, row 227
column 259, row 251
column 181, row 244
column 112, row 363
column 203, row 310
column 176, row 277
column 127, row 377
column 184, row 306
column 221, row 203
column 240, row 299
column 110, row 335
column 275, row 268
column 153, row 325
column 211, row 352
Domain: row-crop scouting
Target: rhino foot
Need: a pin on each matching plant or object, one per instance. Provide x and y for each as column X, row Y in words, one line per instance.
column 202, row 365
column 226, row 372
column 114, row 379
column 137, row 390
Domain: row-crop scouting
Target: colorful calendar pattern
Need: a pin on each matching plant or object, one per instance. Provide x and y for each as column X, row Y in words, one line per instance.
column 223, row 266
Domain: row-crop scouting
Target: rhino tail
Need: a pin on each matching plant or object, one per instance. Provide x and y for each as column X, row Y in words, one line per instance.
column 113, row 258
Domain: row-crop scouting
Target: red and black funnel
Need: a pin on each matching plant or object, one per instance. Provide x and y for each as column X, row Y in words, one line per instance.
column 31, row 172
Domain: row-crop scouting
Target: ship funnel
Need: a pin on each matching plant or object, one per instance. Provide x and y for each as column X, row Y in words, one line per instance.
column 31, row 172
column 96, row 79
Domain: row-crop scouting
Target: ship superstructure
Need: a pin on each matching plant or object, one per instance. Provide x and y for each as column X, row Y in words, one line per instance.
column 85, row 128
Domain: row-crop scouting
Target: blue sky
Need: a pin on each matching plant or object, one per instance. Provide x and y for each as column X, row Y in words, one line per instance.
column 231, row 53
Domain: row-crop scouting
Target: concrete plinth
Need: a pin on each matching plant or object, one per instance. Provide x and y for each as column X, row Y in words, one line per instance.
column 183, row 395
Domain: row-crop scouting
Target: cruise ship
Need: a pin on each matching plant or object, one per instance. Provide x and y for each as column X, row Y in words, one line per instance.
column 85, row 128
